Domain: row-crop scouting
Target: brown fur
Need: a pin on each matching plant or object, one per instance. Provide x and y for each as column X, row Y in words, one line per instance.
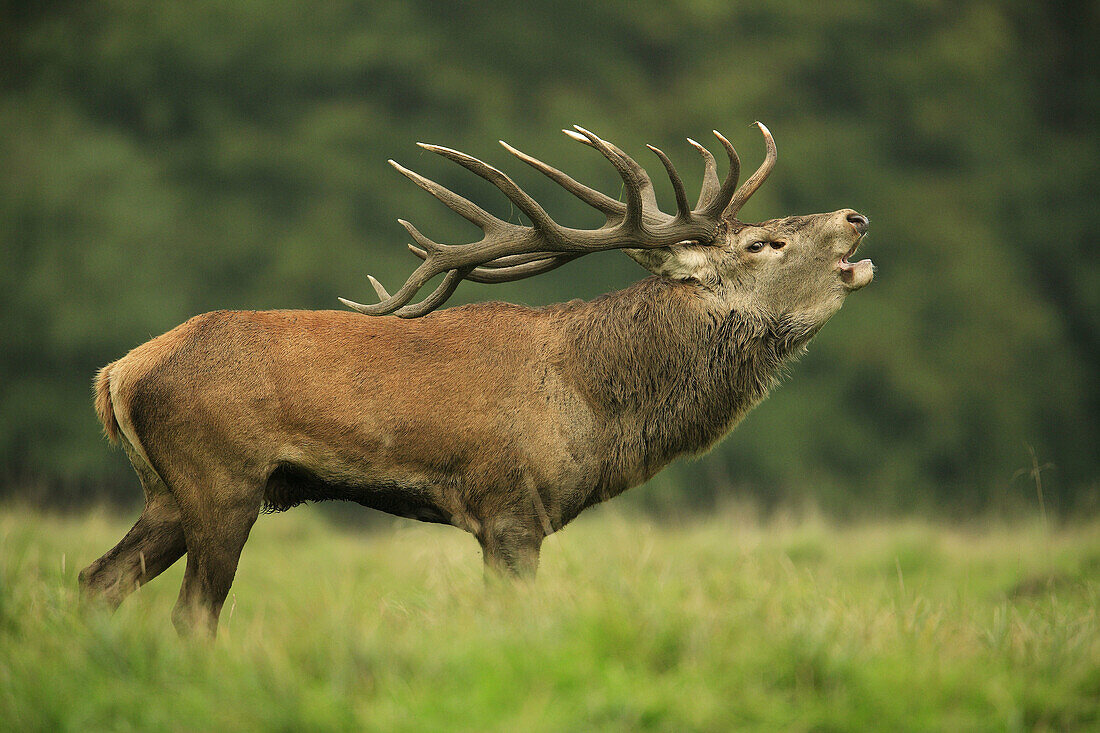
column 501, row 420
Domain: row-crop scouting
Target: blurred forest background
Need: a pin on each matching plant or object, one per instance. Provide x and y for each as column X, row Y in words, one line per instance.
column 158, row 160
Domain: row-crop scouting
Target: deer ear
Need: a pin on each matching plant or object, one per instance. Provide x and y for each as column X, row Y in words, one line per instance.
column 681, row 262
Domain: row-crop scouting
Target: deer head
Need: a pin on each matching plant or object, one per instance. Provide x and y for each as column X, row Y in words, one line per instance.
column 796, row 268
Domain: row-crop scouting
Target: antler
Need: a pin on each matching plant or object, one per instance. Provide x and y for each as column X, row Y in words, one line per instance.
column 509, row 251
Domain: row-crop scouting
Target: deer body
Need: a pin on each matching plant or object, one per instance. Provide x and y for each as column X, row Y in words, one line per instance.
column 502, row 420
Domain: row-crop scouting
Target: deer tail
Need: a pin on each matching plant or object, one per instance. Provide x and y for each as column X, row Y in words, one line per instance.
column 103, row 405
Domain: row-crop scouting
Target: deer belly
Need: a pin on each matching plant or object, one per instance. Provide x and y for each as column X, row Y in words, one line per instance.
column 290, row 485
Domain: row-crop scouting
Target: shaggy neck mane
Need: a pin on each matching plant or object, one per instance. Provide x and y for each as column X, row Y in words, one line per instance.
column 667, row 372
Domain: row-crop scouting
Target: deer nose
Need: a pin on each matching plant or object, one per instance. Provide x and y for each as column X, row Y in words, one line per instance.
column 859, row 221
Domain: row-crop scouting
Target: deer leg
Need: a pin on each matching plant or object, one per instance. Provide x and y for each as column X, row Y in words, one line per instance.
column 510, row 547
column 216, row 528
column 151, row 546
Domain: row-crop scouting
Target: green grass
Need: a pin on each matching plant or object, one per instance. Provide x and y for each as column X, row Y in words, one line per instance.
column 725, row 623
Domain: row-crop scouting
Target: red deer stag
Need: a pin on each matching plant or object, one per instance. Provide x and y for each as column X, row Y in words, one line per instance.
column 502, row 420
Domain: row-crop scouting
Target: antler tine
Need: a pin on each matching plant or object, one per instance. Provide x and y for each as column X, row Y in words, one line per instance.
column 645, row 184
column 445, row 290
column 683, row 210
column 355, row 306
column 507, row 186
column 717, row 205
column 492, row 276
column 628, row 171
column 383, row 294
column 420, row 277
column 396, row 304
column 499, row 262
column 391, row 303
column 420, row 239
column 711, row 184
column 599, row 201
column 365, row 309
column 485, row 274
column 458, row 204
column 756, row 179
column 511, row 260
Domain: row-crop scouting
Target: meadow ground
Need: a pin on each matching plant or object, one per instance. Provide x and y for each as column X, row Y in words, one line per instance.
column 717, row 624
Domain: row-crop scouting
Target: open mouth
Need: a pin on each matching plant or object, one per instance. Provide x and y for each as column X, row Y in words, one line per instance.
column 855, row 274
column 844, row 260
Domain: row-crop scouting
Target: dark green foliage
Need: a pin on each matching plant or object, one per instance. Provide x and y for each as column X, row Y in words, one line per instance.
column 162, row 159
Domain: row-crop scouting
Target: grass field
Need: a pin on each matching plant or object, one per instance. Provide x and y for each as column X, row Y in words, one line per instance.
column 724, row 623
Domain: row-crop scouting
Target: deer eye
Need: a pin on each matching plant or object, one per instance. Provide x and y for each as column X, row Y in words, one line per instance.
column 778, row 245
column 755, row 247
